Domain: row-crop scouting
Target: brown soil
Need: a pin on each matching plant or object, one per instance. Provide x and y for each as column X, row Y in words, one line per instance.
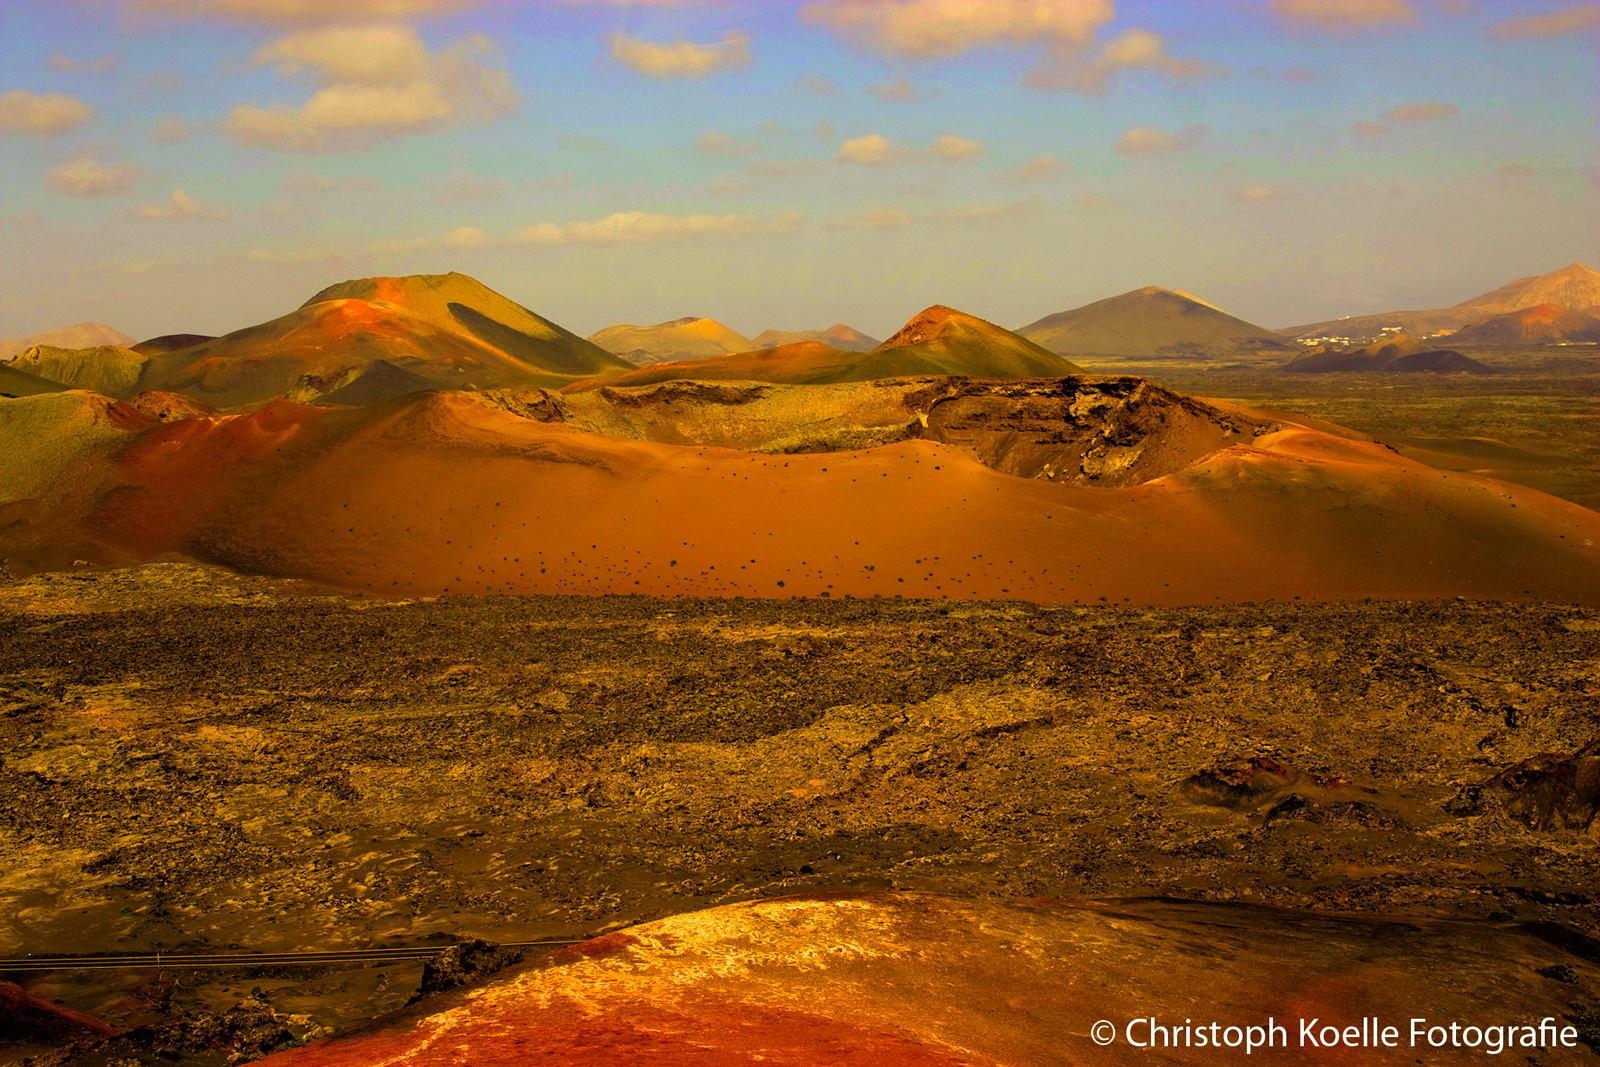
column 202, row 761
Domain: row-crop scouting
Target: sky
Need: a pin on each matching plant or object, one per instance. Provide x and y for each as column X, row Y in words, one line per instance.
column 199, row 166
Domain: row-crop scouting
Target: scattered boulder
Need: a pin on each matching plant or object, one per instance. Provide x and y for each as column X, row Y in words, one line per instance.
column 1553, row 790
column 241, row 1034
column 466, row 963
column 1241, row 782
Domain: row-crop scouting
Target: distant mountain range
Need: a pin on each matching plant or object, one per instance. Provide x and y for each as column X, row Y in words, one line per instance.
column 938, row 341
column 1575, row 287
column 845, row 338
column 368, row 340
column 1399, row 355
column 666, row 342
column 78, row 335
column 445, row 331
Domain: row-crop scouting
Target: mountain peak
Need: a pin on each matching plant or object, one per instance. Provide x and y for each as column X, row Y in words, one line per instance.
column 930, row 323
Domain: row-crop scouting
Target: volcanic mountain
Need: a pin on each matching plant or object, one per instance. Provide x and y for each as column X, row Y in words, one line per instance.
column 447, row 329
column 1542, row 324
column 938, row 341
column 108, row 369
column 1151, row 323
column 845, row 338
column 1396, row 355
column 79, row 335
column 1575, row 286
column 1053, row 490
column 666, row 342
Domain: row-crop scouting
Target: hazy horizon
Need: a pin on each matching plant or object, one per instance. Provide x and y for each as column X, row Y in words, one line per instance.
column 203, row 165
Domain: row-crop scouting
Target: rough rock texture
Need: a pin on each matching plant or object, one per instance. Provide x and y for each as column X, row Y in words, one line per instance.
column 242, row 1034
column 468, row 963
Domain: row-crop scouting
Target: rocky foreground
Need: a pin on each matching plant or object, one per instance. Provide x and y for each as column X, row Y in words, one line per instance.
column 195, row 761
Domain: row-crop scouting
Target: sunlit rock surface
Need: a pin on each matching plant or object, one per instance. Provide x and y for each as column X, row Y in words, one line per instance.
column 912, row 979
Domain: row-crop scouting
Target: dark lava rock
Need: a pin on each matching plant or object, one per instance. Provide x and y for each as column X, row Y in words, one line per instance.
column 1240, row 782
column 1553, row 790
column 464, row 964
column 242, row 1034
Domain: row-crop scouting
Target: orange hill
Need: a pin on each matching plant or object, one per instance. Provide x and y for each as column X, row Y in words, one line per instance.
column 448, row 329
column 1540, row 325
column 938, row 341
column 437, row 492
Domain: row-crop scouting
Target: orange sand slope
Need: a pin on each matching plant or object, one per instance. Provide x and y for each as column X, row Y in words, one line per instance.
column 915, row 980
column 440, row 493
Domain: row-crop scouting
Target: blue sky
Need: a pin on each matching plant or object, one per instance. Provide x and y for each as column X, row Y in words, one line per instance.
column 201, row 165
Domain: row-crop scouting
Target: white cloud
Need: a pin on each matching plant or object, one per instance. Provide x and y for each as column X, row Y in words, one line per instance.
column 313, row 254
column 899, row 89
column 1424, row 112
column 825, row 131
column 298, row 12
column 87, row 176
column 717, row 143
column 628, row 227
column 1037, row 167
column 1147, row 141
column 876, row 150
column 681, row 59
column 1573, row 19
column 182, row 206
column 454, row 88
column 878, row 218
column 1343, row 16
column 1370, row 129
column 46, row 113
column 818, row 84
column 66, row 64
column 171, row 131
column 466, row 237
column 1132, row 49
column 948, row 148
column 873, row 150
column 930, row 29
column 363, row 55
